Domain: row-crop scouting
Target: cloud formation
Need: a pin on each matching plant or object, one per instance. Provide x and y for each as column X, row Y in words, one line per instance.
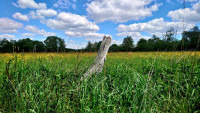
column 75, row 46
column 7, row 36
column 121, row 10
column 116, row 42
column 65, row 4
column 42, row 13
column 72, row 22
column 74, row 25
column 28, row 34
column 135, row 35
column 24, row 4
column 46, row 13
column 89, row 35
column 9, row 26
column 20, row 16
column 190, row 14
column 156, row 26
column 35, row 30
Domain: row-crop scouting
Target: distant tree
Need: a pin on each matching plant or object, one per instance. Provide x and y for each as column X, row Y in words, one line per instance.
column 155, row 38
column 61, row 45
column 150, row 44
column 191, row 38
column 142, row 45
column 6, row 46
column 194, row 29
column 114, row 48
column 155, row 43
column 98, row 45
column 170, row 34
column 93, row 47
column 38, row 46
column 89, row 47
column 25, row 45
column 54, row 44
column 127, row 44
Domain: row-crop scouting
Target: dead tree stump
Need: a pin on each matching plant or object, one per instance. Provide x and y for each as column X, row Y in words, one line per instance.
column 98, row 63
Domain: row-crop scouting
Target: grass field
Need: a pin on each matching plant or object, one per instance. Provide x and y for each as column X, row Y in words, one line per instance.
column 129, row 82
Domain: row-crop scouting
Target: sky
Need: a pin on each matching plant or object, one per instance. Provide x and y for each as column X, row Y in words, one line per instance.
column 80, row 21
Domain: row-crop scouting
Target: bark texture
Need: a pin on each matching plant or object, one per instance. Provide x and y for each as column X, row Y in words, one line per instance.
column 98, row 63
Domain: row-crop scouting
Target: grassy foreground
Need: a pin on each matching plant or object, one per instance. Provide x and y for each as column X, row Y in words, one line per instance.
column 130, row 82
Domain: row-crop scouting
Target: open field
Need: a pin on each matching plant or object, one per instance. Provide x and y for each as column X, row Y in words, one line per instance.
column 130, row 82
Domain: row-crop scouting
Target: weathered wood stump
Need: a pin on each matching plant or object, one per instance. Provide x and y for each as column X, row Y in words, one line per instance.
column 98, row 63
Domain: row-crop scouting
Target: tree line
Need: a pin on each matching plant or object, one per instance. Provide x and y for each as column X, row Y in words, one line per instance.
column 190, row 41
column 51, row 44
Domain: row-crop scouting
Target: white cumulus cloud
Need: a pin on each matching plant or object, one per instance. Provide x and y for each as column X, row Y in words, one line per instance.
column 9, row 26
column 72, row 22
column 87, row 35
column 30, row 4
column 116, row 42
column 35, row 30
column 65, row 4
column 135, row 35
column 121, row 10
column 189, row 14
column 34, row 15
column 28, row 34
column 75, row 46
column 74, row 25
column 20, row 16
column 7, row 36
column 46, row 13
column 42, row 13
column 156, row 26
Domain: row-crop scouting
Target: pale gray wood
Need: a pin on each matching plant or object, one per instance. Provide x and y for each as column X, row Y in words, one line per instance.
column 98, row 63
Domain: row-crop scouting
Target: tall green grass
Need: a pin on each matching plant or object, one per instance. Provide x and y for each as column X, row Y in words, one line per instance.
column 128, row 83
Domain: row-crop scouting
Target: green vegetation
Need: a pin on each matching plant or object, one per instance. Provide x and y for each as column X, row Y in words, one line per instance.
column 130, row 82
column 169, row 42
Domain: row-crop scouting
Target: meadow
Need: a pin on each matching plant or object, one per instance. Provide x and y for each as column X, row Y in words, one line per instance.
column 129, row 82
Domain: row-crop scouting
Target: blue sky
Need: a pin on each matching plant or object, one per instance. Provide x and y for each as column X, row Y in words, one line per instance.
column 80, row 21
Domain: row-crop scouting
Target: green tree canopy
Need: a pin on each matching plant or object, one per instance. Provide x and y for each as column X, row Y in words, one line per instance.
column 5, row 46
column 25, row 45
column 38, row 46
column 54, row 44
column 191, row 38
column 127, row 44
column 114, row 48
column 170, row 34
column 89, row 47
